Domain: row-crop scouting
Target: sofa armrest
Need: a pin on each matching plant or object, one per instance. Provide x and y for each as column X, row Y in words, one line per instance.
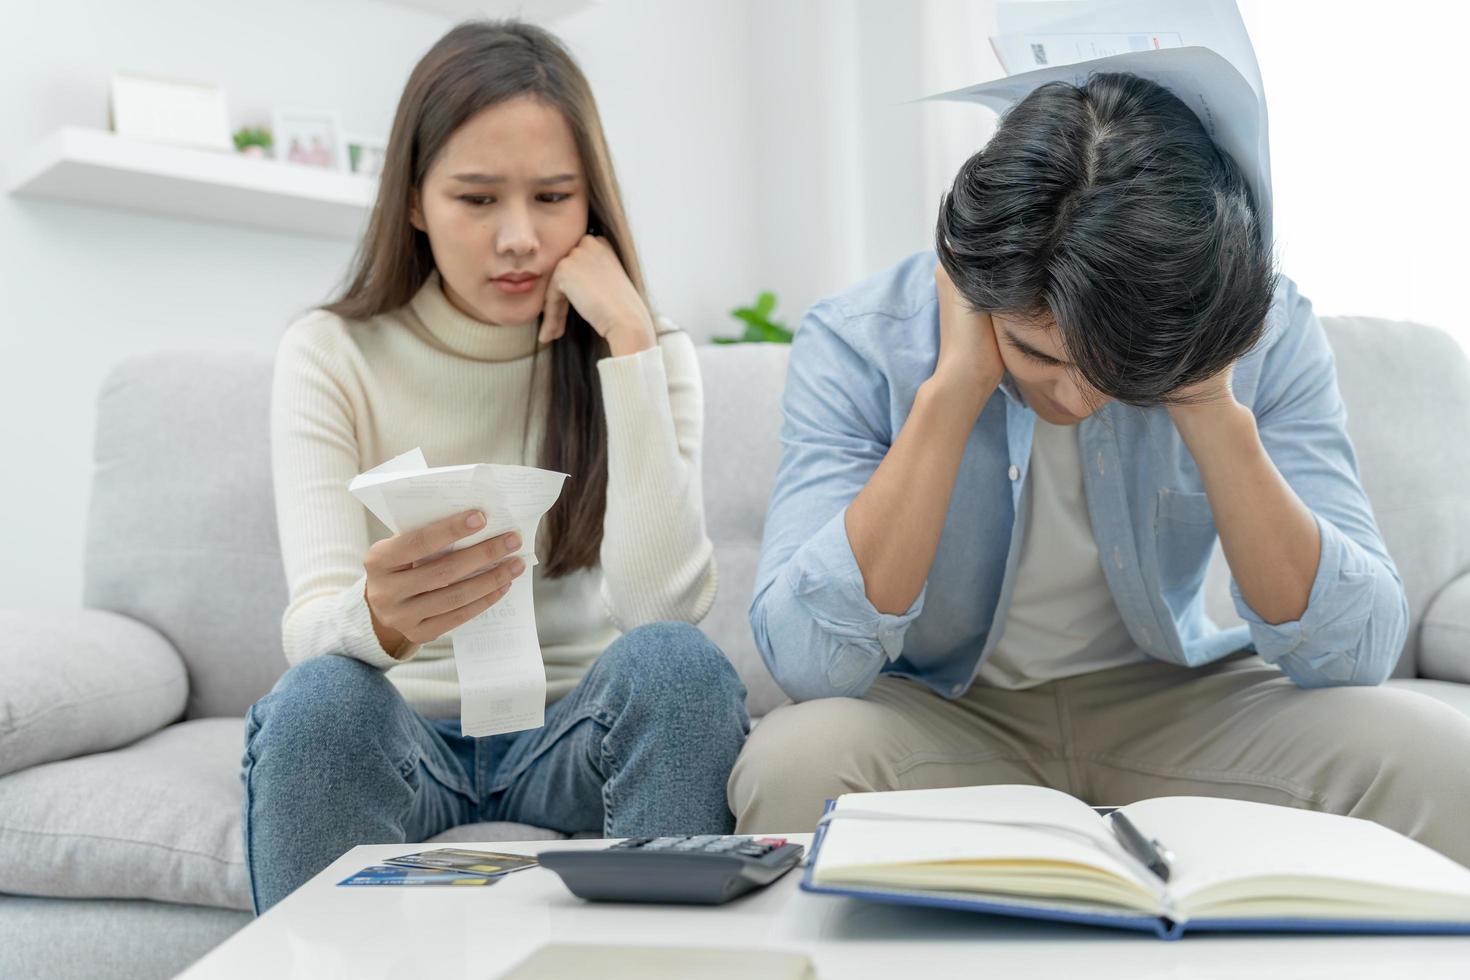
column 80, row 681
column 1444, row 634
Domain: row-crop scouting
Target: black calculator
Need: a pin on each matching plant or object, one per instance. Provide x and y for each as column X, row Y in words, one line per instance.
column 700, row 870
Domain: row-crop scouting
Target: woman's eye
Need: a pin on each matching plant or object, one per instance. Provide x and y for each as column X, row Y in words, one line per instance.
column 552, row 198
column 476, row 199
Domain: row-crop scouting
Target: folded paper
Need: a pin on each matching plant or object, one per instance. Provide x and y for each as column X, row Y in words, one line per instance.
column 502, row 680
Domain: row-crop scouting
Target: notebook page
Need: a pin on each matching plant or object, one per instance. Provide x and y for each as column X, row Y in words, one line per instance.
column 1218, row 843
column 858, row 843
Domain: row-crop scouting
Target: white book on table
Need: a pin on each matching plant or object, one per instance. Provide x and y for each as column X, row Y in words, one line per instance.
column 1037, row 852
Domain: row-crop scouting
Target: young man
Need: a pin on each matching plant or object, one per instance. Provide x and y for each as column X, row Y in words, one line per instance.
column 1002, row 481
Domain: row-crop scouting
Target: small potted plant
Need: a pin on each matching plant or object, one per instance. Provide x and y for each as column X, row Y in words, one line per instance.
column 253, row 141
column 759, row 327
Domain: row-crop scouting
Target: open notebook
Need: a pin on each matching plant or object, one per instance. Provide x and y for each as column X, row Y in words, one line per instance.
column 1038, row 853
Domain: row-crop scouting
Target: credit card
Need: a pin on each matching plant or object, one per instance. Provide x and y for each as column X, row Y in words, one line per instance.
column 384, row 874
column 492, row 863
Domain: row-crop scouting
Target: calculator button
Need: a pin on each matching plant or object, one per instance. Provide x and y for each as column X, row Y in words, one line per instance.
column 662, row 843
column 695, row 843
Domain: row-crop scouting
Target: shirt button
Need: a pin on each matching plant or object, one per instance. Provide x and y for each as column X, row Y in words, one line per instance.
column 1117, row 558
column 1099, row 462
column 1014, row 472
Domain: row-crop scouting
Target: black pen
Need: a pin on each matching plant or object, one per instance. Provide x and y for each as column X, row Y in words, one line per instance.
column 1153, row 854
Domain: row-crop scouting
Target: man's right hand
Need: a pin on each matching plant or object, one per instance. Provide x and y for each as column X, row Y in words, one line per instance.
column 969, row 364
column 419, row 601
column 893, row 524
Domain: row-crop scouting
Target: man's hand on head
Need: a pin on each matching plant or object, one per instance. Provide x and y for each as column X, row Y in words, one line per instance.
column 969, row 363
column 1211, row 397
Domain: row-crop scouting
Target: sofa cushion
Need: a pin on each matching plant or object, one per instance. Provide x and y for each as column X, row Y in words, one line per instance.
column 1407, row 391
column 1444, row 637
column 121, row 939
column 742, row 447
column 159, row 820
column 81, row 681
column 181, row 500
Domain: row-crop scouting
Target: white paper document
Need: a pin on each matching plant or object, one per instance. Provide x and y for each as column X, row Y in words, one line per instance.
column 1197, row 49
column 502, row 680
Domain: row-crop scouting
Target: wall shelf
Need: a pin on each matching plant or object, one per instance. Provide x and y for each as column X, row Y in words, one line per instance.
column 538, row 11
column 89, row 166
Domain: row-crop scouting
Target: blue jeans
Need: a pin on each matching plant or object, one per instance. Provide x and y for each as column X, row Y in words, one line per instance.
column 642, row 746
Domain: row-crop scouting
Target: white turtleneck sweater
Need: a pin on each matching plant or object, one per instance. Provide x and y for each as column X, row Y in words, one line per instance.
column 349, row 395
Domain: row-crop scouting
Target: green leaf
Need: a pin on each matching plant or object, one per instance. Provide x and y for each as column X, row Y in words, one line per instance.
column 759, row 327
column 769, row 333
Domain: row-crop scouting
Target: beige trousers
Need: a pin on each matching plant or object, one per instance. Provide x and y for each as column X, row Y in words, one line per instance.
column 1237, row 728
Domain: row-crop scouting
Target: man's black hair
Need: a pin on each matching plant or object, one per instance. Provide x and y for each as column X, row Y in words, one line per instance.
column 1108, row 208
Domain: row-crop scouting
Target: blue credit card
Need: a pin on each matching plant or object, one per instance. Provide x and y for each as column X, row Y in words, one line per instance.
column 384, row 874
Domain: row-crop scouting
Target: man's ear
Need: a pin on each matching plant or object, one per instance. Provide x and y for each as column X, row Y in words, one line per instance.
column 416, row 212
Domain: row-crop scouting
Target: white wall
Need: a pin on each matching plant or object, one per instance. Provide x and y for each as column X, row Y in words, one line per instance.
column 1369, row 153
column 85, row 287
column 672, row 82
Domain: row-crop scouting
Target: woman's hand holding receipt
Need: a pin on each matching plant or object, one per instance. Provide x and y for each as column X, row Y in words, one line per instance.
column 415, row 593
column 488, row 513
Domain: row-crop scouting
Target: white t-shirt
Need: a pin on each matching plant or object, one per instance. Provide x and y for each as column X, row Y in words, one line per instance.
column 1062, row 620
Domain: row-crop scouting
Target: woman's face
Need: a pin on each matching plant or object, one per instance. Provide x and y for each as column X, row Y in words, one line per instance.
column 503, row 203
column 1037, row 363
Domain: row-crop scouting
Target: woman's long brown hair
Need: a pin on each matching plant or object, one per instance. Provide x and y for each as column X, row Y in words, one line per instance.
column 477, row 65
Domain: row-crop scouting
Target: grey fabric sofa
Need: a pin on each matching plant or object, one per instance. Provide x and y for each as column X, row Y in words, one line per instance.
column 122, row 856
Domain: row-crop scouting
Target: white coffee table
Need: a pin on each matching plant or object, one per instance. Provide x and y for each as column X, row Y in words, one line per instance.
column 324, row 931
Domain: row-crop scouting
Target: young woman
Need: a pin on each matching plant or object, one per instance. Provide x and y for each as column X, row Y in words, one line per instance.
column 496, row 314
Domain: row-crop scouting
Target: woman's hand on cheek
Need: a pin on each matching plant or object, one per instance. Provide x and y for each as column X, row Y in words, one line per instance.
column 591, row 280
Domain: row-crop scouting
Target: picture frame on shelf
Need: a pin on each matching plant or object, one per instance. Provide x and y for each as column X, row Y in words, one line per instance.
column 365, row 155
column 308, row 137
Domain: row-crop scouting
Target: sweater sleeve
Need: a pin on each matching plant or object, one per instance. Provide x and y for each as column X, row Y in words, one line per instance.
column 323, row 530
column 657, row 559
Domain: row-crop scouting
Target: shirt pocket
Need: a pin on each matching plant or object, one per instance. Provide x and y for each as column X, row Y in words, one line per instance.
column 1184, row 533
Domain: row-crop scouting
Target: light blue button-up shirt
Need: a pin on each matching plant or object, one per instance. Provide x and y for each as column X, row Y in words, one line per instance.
column 857, row 363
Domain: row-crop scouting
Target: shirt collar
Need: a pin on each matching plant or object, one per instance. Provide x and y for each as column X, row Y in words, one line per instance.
column 1008, row 387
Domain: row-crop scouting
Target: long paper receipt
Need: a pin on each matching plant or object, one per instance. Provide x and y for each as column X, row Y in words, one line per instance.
column 502, row 680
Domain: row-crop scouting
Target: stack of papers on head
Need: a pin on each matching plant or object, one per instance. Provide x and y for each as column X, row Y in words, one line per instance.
column 502, row 679
column 1197, row 49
